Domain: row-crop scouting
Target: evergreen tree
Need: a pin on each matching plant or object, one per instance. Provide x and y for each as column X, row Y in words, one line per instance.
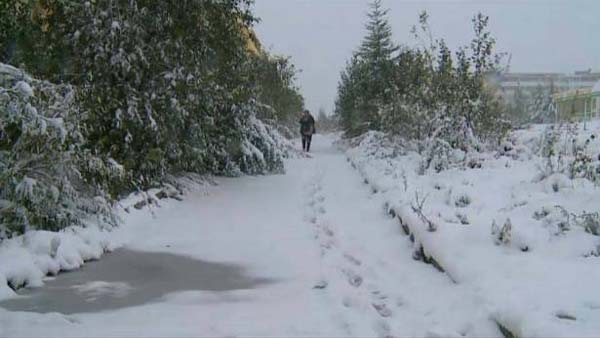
column 378, row 51
column 370, row 74
column 350, row 103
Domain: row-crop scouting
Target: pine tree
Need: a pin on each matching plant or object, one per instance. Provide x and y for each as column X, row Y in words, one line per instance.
column 377, row 48
column 350, row 103
column 370, row 74
column 378, row 52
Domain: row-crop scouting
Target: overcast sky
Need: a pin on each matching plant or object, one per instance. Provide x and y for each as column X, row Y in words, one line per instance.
column 320, row 35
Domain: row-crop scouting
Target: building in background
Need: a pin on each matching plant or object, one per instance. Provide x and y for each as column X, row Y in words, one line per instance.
column 581, row 104
column 549, row 97
column 509, row 84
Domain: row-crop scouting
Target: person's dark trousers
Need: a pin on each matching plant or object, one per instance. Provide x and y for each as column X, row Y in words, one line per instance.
column 306, row 142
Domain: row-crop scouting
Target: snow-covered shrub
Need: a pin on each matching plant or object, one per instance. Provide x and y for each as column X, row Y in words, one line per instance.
column 263, row 149
column 418, row 208
column 557, row 218
column 555, row 183
column 590, row 222
column 511, row 147
column 541, row 214
column 564, row 152
column 583, row 164
column 462, row 218
column 502, row 235
column 41, row 181
column 564, row 220
column 437, row 156
column 552, row 156
column 462, row 201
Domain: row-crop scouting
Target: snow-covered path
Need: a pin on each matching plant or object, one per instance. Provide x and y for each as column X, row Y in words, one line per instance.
column 336, row 265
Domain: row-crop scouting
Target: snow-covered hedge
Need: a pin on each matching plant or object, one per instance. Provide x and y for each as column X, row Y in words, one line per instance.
column 524, row 238
column 41, row 161
column 263, row 149
column 52, row 176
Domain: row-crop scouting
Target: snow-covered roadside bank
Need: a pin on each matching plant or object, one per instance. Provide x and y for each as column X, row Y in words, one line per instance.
column 537, row 268
column 54, row 177
column 26, row 260
column 370, row 273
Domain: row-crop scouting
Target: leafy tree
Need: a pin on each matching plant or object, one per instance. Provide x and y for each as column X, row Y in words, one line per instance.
column 275, row 80
column 41, row 159
column 156, row 88
column 441, row 96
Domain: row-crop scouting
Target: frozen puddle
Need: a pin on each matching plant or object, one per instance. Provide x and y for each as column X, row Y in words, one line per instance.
column 128, row 278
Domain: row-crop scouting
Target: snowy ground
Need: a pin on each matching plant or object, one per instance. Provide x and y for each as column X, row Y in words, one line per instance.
column 542, row 278
column 335, row 262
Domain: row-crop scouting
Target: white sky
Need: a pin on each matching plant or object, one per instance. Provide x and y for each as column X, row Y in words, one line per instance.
column 320, row 35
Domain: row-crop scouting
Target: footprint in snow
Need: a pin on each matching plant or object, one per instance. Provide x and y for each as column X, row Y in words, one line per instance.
column 382, row 309
column 353, row 278
column 352, row 259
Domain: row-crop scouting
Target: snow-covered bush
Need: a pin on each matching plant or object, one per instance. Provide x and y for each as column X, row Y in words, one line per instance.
column 437, row 156
column 462, row 201
column 263, row 149
column 556, row 218
column 583, row 164
column 564, row 151
column 41, row 181
column 502, row 236
column 418, row 208
column 589, row 221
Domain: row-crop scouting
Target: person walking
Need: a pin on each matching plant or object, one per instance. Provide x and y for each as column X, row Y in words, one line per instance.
column 307, row 129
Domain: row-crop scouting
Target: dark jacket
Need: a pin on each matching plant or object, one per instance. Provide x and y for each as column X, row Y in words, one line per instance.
column 307, row 125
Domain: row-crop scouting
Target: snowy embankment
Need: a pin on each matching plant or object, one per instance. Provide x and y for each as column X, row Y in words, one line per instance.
column 37, row 185
column 517, row 227
column 26, row 260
